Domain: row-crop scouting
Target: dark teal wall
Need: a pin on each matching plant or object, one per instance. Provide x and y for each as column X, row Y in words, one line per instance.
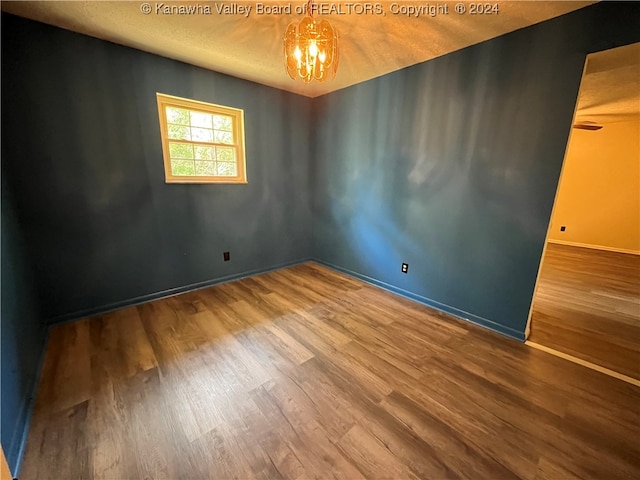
column 452, row 166
column 21, row 330
column 81, row 146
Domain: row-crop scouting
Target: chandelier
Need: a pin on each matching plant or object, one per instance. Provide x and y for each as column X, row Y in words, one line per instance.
column 311, row 48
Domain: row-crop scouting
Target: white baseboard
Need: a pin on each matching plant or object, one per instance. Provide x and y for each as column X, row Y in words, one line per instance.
column 596, row 247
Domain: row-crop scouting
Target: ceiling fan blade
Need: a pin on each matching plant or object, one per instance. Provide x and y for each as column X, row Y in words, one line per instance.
column 587, row 126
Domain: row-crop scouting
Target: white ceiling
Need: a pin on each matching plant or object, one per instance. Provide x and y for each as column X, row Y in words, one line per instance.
column 610, row 88
column 250, row 47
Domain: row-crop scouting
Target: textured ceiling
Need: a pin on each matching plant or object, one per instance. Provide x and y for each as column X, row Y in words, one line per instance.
column 250, row 46
column 610, row 88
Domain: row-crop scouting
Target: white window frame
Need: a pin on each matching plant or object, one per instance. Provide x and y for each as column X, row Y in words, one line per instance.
column 237, row 116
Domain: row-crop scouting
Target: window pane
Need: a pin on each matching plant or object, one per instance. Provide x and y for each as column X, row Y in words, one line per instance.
column 180, row 150
column 179, row 132
column 201, row 142
column 204, row 153
column 201, row 134
column 226, row 169
column 199, row 119
column 182, row 167
column 223, row 137
column 221, row 122
column 205, row 168
column 178, row 115
column 225, row 154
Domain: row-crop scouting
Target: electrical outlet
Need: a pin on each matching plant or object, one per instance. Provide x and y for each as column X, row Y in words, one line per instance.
column 405, row 267
column 563, row 228
column 226, row 256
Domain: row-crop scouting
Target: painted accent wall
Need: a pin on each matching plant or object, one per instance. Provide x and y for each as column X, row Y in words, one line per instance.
column 21, row 331
column 81, row 145
column 599, row 194
column 452, row 166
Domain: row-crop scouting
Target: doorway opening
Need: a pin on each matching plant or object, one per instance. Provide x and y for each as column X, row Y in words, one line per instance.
column 586, row 305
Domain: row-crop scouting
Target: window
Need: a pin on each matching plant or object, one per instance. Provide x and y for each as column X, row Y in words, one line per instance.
column 201, row 142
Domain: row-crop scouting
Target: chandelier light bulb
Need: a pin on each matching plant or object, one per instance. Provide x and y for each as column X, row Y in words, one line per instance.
column 313, row 48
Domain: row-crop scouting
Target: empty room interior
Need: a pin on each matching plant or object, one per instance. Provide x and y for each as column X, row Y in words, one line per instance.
column 294, row 240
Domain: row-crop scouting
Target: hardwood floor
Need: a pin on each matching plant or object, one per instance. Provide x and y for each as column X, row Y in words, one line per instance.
column 588, row 305
column 307, row 373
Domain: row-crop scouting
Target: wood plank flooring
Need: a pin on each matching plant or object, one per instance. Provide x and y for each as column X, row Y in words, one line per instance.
column 306, row 373
column 587, row 304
